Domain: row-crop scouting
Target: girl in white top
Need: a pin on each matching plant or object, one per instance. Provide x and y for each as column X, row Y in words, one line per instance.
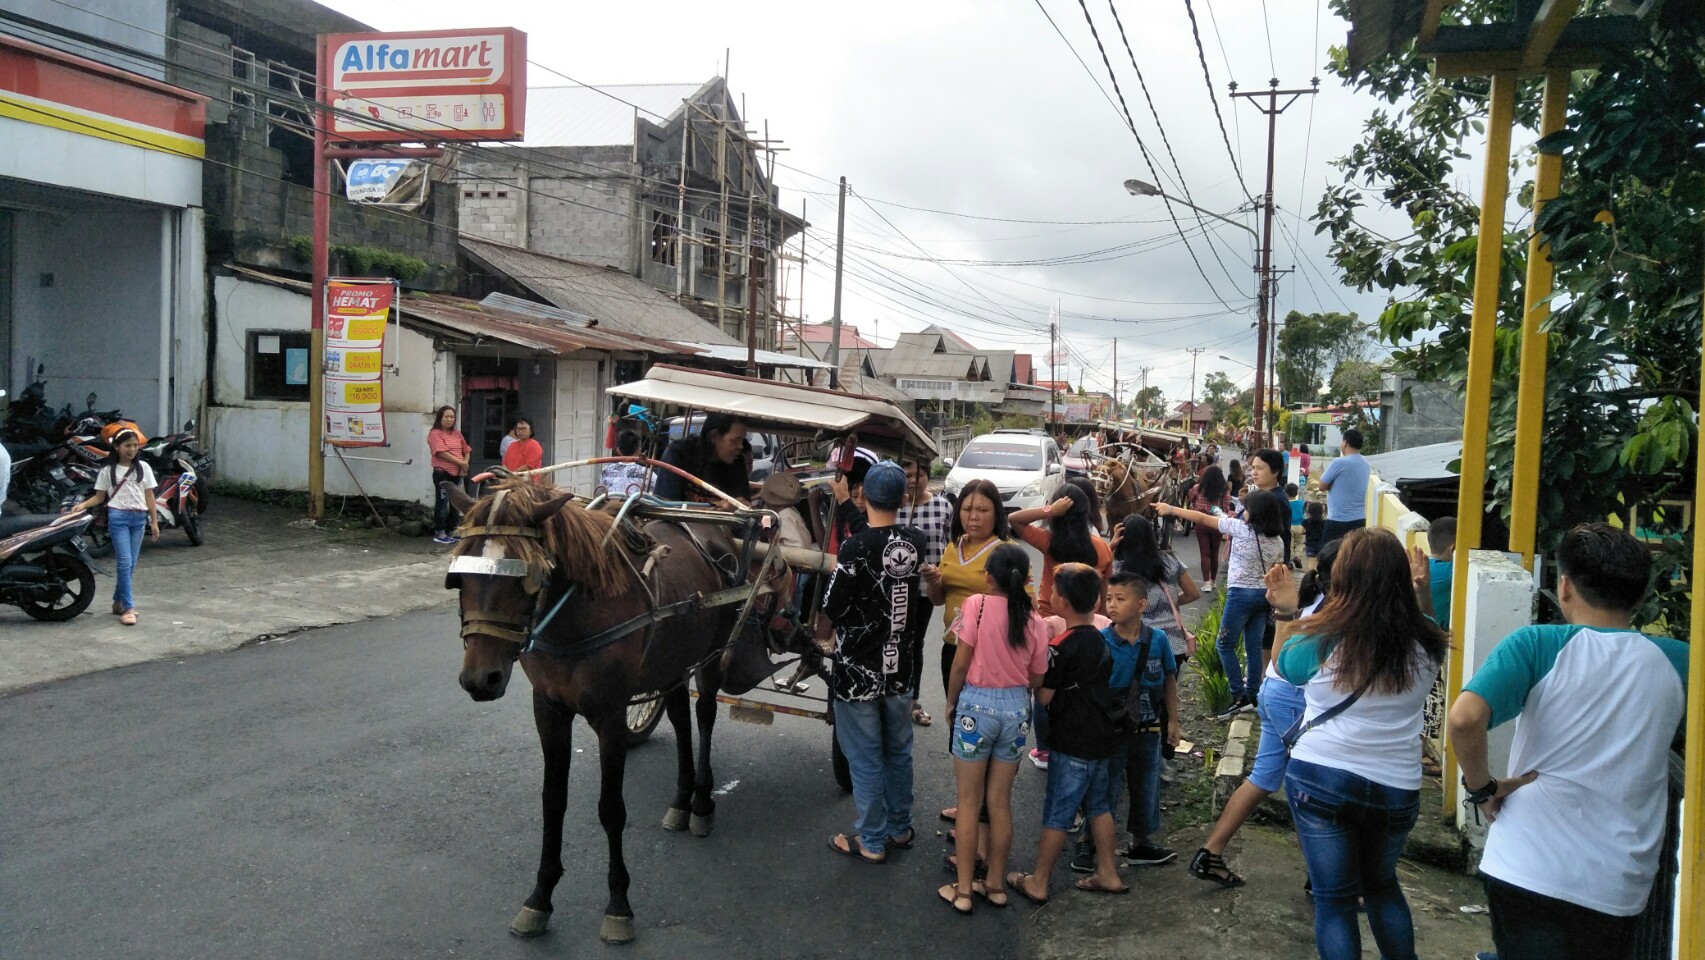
column 1366, row 663
column 126, row 485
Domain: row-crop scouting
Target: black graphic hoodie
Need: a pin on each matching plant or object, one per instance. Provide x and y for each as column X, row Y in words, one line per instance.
column 878, row 608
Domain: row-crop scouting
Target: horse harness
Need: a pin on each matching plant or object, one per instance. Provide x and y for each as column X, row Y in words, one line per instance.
column 529, row 631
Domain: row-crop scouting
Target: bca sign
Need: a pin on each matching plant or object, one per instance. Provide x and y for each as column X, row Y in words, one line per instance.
column 434, row 84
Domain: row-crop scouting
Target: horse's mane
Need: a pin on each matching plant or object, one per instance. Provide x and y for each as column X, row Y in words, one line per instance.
column 573, row 538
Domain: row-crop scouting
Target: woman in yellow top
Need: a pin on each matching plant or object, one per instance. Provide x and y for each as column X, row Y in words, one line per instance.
column 979, row 526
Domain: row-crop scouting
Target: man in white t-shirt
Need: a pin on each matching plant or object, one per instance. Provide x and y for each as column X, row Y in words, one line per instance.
column 1578, row 824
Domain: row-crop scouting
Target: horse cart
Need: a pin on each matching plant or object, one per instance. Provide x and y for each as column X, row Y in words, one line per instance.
column 623, row 607
column 1137, row 467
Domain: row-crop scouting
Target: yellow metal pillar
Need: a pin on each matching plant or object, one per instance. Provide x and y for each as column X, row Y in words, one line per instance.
column 1471, row 490
column 1690, row 939
column 1530, row 397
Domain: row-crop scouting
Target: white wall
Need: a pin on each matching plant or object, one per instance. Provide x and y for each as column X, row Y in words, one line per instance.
column 100, row 323
column 1500, row 601
column 265, row 442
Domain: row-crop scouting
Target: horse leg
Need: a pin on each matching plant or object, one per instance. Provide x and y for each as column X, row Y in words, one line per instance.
column 704, row 806
column 613, row 815
column 681, row 718
column 556, row 731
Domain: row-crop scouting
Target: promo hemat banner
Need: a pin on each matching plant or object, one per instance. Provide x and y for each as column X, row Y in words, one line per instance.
column 356, row 315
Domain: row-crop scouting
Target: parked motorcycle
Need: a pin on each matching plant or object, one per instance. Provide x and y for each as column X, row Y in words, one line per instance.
column 179, row 467
column 45, row 566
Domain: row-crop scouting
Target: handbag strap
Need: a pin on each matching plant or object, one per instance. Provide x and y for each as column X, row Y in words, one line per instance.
column 135, row 468
column 1174, row 604
column 1299, row 728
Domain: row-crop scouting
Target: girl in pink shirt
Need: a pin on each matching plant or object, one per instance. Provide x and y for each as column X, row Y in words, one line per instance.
column 1002, row 654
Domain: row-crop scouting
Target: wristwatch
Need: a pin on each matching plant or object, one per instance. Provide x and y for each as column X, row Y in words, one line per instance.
column 1485, row 793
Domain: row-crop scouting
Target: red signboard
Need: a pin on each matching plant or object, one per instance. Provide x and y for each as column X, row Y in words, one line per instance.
column 433, row 84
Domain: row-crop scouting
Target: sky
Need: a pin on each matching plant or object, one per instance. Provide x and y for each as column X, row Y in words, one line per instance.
column 982, row 113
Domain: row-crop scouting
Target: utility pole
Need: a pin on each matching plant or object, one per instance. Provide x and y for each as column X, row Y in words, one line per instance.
column 1145, row 374
column 1264, row 304
column 835, row 324
column 724, row 227
column 680, row 211
column 1115, row 378
column 1189, row 412
column 1053, row 374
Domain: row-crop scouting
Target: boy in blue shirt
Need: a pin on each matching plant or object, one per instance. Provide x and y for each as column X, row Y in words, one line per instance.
column 1136, row 647
column 1441, row 543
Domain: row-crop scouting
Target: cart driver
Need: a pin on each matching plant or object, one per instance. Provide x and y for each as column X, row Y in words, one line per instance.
column 716, row 455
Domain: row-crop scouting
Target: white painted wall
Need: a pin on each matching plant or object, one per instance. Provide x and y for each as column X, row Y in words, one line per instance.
column 100, row 324
column 1500, row 601
column 265, row 442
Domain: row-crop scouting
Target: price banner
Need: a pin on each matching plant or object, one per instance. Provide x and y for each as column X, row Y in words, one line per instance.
column 356, row 314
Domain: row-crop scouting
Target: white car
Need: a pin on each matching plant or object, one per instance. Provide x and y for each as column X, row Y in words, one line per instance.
column 1027, row 468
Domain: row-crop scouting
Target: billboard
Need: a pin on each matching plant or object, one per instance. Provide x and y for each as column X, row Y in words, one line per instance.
column 436, row 84
column 386, row 183
column 356, row 315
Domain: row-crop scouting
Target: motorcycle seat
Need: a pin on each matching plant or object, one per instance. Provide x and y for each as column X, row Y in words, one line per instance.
column 18, row 523
column 24, row 451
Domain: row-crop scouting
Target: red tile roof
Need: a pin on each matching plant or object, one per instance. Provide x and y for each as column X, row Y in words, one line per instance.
column 820, row 333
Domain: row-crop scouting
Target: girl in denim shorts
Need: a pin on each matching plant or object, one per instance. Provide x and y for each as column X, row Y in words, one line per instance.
column 1002, row 654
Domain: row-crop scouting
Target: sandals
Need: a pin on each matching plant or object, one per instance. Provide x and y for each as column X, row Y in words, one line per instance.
column 982, row 889
column 1206, row 865
column 950, row 895
column 905, row 840
column 980, row 871
column 1091, row 885
column 129, row 618
column 853, row 847
column 920, row 716
column 1015, row 881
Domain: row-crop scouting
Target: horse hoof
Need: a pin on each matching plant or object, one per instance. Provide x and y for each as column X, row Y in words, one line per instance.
column 616, row 930
column 675, row 819
column 530, row 922
column 701, row 826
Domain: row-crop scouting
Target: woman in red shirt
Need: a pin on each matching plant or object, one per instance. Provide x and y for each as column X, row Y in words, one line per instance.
column 525, row 453
column 450, row 453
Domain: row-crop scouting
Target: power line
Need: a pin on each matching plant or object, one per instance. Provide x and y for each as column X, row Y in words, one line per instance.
column 1202, row 57
column 1141, row 147
column 1267, row 25
column 1079, row 57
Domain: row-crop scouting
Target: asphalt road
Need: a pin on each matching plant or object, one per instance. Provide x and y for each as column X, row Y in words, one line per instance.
column 335, row 794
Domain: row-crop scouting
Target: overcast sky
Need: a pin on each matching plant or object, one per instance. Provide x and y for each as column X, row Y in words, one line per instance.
column 981, row 108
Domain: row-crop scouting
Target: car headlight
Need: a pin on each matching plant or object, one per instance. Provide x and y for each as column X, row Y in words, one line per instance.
column 1034, row 490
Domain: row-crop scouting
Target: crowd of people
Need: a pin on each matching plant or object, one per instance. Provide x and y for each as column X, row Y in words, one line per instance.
column 1079, row 673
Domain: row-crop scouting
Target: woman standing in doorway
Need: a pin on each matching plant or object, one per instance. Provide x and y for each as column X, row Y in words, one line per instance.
column 450, row 454
column 525, row 453
column 126, row 485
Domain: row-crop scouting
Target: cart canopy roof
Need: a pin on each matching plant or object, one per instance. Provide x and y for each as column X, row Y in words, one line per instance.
column 776, row 407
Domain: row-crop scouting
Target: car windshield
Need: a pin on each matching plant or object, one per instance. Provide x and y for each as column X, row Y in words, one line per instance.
column 1089, row 442
column 985, row 455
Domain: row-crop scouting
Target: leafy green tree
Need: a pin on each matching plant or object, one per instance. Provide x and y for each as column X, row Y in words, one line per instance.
column 1219, row 393
column 1623, row 361
column 1150, row 402
column 1313, row 345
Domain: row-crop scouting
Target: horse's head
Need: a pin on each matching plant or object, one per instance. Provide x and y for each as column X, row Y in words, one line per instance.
column 520, row 545
column 1108, row 476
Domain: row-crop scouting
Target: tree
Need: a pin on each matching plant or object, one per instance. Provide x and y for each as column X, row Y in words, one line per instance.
column 1149, row 403
column 1219, row 393
column 1311, row 345
column 1623, row 358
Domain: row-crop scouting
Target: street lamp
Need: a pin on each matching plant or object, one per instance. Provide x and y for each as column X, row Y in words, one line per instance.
column 1142, row 188
column 1238, row 362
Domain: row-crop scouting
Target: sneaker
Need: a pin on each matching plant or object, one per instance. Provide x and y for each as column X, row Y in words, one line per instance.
column 1148, row 855
column 1168, row 770
column 1232, row 710
column 1246, row 704
column 1486, row 955
column 1084, row 861
column 1039, row 758
column 443, row 538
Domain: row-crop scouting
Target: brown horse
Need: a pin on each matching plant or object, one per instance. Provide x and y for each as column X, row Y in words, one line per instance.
column 545, row 581
column 1124, row 490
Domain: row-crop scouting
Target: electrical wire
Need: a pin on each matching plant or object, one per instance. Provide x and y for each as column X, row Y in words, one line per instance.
column 1202, row 57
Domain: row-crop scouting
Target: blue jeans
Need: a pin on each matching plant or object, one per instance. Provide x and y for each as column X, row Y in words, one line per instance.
column 991, row 722
column 1279, row 707
column 876, row 736
column 1074, row 783
column 1245, row 616
column 1352, row 832
column 126, row 527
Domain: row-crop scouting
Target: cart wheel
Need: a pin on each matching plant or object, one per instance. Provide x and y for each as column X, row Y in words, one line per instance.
column 642, row 719
column 843, row 771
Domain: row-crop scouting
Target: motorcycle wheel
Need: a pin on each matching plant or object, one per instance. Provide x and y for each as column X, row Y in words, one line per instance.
column 190, row 517
column 100, row 543
column 79, row 582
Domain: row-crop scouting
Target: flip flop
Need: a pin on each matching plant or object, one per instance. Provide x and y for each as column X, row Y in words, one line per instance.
column 950, row 895
column 911, row 837
column 849, row 851
column 1088, row 885
column 1015, row 882
column 920, row 716
column 981, row 889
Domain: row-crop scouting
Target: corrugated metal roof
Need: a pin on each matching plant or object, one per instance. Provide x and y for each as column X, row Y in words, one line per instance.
column 737, row 354
column 594, row 116
column 1431, row 462
column 612, row 299
column 479, row 320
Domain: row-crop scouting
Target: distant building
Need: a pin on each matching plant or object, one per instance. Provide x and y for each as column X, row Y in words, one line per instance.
column 1432, row 415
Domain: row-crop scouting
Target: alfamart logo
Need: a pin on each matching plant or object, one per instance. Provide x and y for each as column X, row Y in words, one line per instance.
column 419, row 62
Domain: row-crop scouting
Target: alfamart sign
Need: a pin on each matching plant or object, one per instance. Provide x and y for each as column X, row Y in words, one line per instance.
column 435, row 85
